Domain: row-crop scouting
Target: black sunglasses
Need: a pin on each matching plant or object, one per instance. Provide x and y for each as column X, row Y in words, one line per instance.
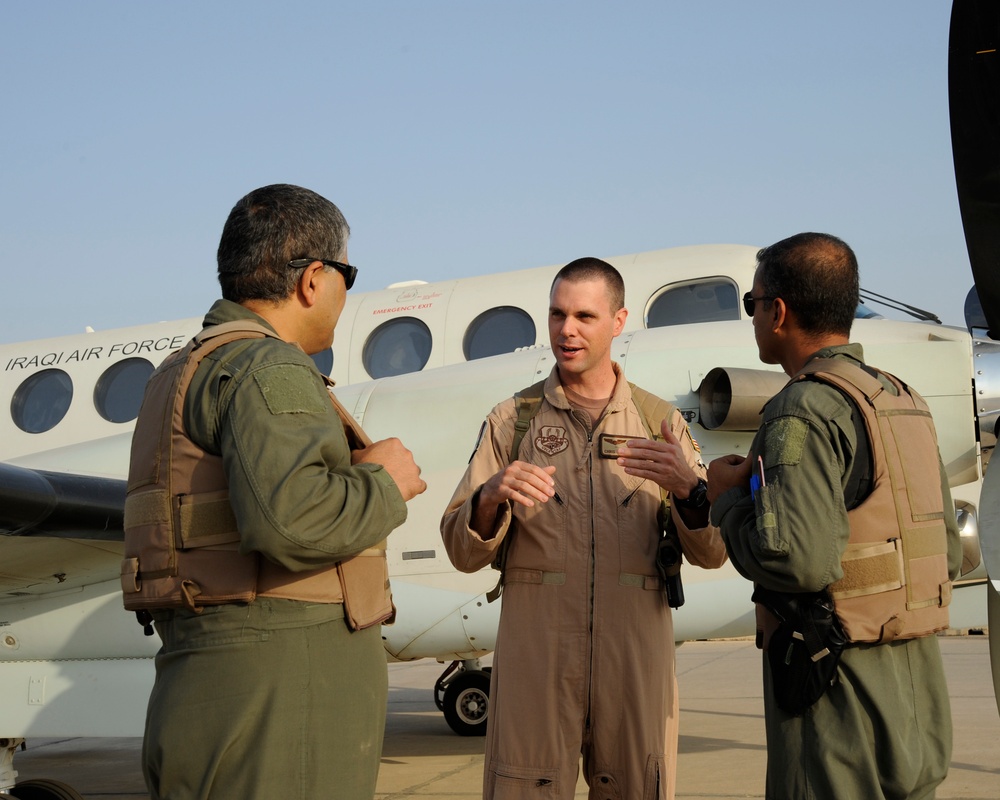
column 750, row 302
column 349, row 271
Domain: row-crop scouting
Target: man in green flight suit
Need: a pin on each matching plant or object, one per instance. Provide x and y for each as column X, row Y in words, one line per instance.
column 820, row 509
column 255, row 529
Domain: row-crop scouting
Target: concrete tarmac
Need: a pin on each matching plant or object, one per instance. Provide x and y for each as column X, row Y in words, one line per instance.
column 722, row 753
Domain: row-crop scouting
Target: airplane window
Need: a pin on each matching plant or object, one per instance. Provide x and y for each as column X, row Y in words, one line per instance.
column 498, row 330
column 324, row 361
column 864, row 312
column 699, row 301
column 396, row 347
column 118, row 393
column 41, row 401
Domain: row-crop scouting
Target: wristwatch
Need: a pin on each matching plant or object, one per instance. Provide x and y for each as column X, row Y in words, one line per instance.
column 698, row 497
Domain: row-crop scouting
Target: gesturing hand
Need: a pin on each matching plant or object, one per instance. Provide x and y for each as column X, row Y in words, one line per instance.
column 519, row 482
column 661, row 461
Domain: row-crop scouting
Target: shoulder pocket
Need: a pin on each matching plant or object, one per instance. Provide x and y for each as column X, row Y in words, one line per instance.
column 287, row 389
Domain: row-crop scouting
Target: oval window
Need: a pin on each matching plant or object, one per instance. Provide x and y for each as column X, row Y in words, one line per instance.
column 41, row 401
column 498, row 330
column 323, row 361
column 698, row 301
column 397, row 347
column 118, row 393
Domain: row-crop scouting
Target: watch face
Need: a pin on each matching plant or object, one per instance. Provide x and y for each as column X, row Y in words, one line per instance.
column 697, row 497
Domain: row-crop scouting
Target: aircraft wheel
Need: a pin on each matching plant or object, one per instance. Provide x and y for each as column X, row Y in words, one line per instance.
column 43, row 789
column 467, row 703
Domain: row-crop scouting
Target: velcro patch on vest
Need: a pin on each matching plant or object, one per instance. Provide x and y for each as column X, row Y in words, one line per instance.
column 285, row 392
column 552, row 439
column 785, row 440
column 869, row 569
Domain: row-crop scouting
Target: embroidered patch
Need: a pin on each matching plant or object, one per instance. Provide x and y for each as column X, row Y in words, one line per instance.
column 552, row 439
column 694, row 442
column 608, row 444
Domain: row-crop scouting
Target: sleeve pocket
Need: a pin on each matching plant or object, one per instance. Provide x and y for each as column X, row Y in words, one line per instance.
column 769, row 540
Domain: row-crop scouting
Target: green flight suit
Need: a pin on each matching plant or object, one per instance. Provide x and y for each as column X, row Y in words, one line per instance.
column 276, row 698
column 883, row 730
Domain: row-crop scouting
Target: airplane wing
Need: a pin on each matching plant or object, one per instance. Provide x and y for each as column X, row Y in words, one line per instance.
column 58, row 531
column 974, row 98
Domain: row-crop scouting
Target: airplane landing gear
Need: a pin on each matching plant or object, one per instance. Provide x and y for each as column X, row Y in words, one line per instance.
column 42, row 789
column 8, row 775
column 37, row 789
column 463, row 694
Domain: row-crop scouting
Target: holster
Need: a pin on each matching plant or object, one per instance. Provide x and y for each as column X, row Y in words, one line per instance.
column 767, row 624
column 669, row 556
column 802, row 640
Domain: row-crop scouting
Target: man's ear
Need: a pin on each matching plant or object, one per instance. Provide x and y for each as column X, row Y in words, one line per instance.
column 308, row 284
column 619, row 324
column 779, row 314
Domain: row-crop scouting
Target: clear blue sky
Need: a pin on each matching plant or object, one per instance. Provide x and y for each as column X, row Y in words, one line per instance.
column 465, row 138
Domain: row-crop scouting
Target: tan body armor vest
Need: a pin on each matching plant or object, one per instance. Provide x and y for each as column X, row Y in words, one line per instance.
column 896, row 583
column 181, row 538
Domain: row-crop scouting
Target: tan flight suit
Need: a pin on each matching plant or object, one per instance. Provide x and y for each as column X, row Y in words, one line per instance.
column 585, row 651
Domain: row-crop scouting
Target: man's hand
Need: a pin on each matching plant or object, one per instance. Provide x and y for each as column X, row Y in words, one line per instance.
column 521, row 483
column 397, row 461
column 662, row 462
column 518, row 482
column 726, row 473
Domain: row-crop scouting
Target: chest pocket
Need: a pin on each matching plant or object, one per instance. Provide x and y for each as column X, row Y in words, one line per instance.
column 541, row 536
column 637, row 502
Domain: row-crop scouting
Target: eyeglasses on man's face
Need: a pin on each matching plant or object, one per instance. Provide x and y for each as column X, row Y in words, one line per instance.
column 750, row 302
column 349, row 271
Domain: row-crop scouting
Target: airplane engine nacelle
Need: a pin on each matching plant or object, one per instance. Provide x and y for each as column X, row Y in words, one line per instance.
column 731, row 399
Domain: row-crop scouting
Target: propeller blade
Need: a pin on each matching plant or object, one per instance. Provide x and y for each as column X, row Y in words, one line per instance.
column 993, row 618
column 974, row 97
column 989, row 526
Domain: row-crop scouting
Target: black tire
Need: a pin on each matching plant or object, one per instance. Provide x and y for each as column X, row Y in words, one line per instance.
column 43, row 789
column 467, row 703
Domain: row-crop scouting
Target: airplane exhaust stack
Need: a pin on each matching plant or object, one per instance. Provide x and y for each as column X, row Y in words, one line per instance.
column 730, row 398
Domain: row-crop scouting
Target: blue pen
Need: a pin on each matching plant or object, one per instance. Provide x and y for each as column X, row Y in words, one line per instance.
column 757, row 479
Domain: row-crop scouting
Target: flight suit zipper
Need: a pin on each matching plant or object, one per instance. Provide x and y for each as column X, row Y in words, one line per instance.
column 593, row 574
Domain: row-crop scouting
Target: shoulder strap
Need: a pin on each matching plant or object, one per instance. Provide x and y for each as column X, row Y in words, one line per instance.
column 529, row 400
column 652, row 409
column 864, row 379
column 252, row 330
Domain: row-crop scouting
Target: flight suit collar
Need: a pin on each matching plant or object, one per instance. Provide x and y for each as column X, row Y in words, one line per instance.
column 620, row 398
column 228, row 311
column 853, row 351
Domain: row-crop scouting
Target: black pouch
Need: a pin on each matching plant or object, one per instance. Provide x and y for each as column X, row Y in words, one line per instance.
column 804, row 651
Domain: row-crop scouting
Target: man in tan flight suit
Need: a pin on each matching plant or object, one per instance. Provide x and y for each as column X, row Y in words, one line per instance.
column 584, row 657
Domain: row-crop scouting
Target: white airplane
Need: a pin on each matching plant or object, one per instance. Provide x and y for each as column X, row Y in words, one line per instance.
column 426, row 362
